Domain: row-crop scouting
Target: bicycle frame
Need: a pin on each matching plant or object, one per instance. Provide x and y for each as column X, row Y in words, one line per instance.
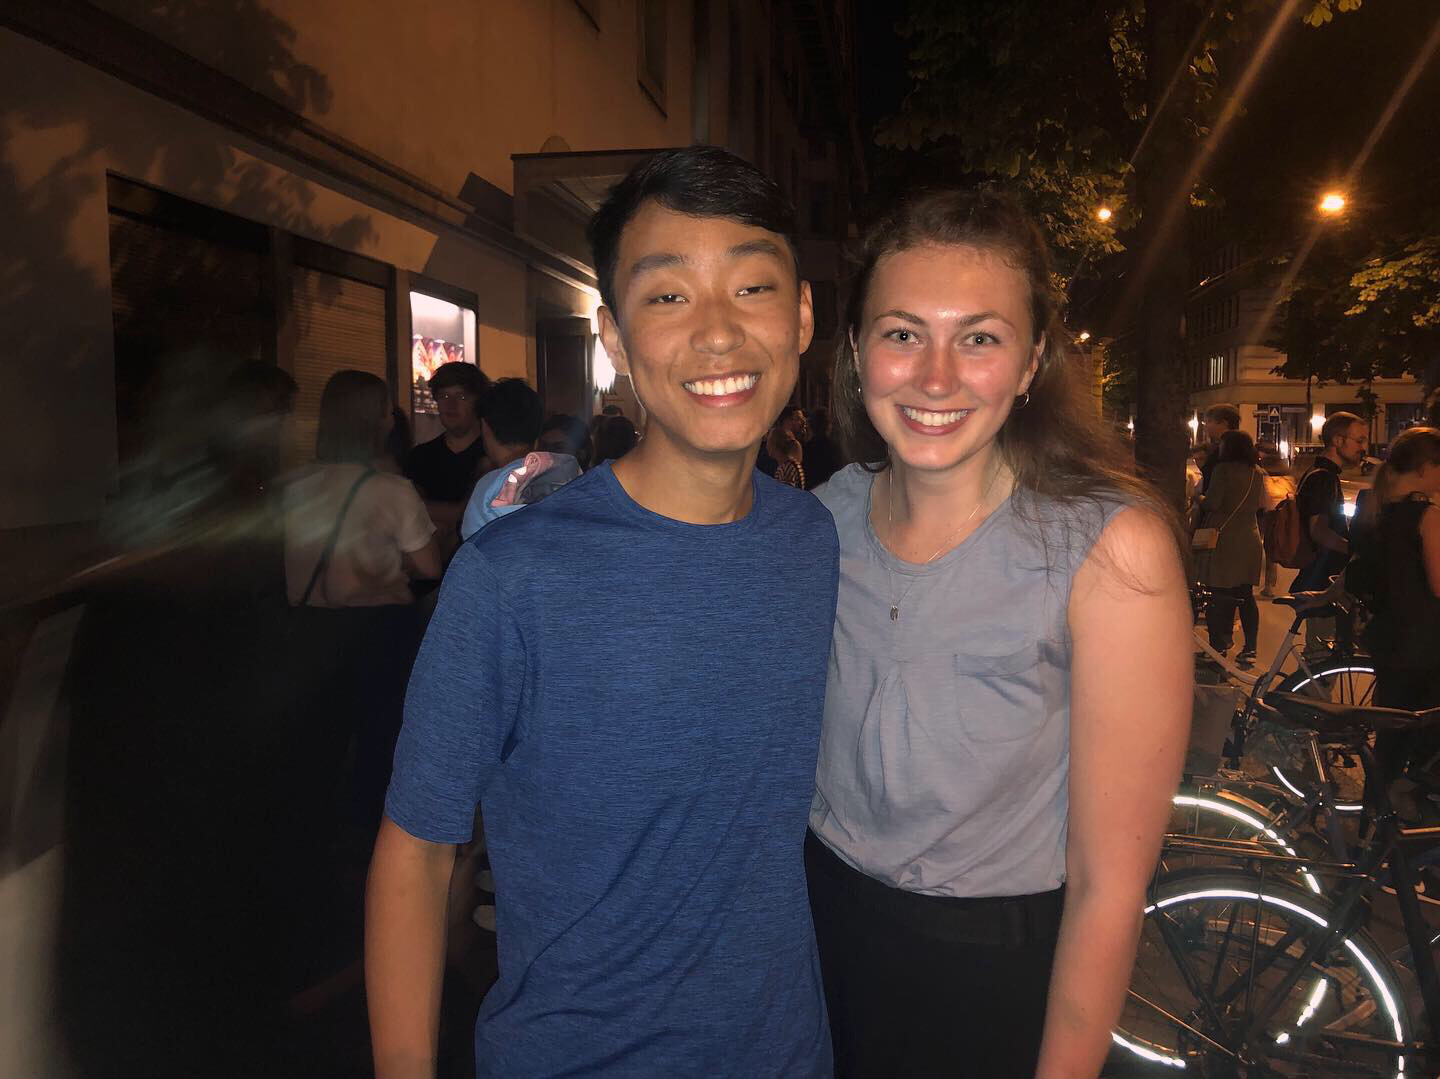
column 1390, row 844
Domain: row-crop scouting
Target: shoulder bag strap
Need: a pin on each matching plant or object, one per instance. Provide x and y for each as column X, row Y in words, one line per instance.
column 1248, row 487
column 324, row 562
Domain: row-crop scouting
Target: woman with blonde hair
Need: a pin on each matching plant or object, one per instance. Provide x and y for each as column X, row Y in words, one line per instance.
column 1011, row 670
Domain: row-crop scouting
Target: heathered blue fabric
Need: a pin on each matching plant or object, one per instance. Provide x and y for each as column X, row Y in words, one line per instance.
column 637, row 703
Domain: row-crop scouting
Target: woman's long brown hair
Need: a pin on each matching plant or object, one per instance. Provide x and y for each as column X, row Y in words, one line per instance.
column 1055, row 444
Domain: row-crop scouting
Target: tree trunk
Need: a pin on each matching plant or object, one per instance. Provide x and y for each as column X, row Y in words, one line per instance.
column 1160, row 432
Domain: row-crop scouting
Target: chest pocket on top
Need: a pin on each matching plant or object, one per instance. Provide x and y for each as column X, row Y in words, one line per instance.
column 1000, row 698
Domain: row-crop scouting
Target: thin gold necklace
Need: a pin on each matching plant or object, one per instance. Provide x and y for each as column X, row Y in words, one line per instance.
column 890, row 532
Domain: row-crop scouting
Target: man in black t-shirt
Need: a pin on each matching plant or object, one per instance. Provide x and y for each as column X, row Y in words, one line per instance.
column 1321, row 501
column 445, row 468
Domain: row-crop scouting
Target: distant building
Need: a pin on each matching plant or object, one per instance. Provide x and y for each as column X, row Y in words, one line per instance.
column 380, row 185
column 1230, row 306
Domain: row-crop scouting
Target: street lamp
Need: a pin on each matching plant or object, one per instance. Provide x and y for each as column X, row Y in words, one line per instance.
column 1084, row 336
column 1333, row 202
column 1104, row 213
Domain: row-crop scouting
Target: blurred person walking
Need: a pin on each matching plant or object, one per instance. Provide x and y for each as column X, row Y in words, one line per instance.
column 355, row 536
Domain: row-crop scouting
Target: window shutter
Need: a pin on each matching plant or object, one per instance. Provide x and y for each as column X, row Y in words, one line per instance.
column 339, row 326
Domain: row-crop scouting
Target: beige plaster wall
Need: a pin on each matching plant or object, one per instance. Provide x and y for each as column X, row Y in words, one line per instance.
column 443, row 88
column 62, row 126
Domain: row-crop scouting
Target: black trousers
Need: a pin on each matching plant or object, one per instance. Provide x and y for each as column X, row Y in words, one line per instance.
column 1220, row 617
column 923, row 986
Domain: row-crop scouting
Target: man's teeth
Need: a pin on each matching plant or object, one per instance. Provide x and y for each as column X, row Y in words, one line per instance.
column 722, row 387
column 934, row 419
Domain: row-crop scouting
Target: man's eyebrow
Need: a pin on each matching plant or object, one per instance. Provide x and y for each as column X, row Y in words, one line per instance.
column 648, row 263
column 756, row 247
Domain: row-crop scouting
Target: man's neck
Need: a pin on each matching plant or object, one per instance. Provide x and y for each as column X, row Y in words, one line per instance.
column 505, row 455
column 459, row 443
column 1333, row 457
column 710, row 490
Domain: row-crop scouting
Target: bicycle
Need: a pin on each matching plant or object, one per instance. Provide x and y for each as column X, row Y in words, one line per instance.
column 1233, row 805
column 1240, row 972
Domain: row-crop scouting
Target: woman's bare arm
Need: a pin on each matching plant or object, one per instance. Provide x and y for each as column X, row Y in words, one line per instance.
column 1131, row 686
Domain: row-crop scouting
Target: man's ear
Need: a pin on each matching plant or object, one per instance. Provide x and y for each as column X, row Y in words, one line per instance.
column 807, row 317
column 612, row 340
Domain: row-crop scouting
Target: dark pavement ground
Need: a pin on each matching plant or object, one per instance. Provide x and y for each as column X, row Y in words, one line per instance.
column 181, row 891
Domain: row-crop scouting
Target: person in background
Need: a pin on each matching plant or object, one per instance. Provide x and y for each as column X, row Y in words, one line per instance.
column 821, row 455
column 399, row 443
column 1321, row 501
column 256, row 407
column 644, row 783
column 1218, row 420
column 444, row 469
column 511, row 414
column 1401, row 557
column 1232, row 505
column 1011, row 671
column 566, row 434
column 786, row 451
column 355, row 536
column 614, row 438
column 1194, row 478
column 1279, row 485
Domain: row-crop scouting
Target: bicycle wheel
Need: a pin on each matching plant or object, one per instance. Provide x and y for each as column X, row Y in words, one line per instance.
column 1215, row 949
column 1343, row 681
column 1215, row 810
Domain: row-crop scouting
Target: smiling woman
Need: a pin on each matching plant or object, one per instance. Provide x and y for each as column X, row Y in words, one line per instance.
column 1010, row 677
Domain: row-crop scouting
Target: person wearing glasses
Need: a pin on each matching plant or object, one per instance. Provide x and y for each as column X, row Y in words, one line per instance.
column 444, row 469
column 1321, row 501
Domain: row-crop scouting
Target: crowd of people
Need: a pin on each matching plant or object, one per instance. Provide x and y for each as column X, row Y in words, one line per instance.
column 1383, row 548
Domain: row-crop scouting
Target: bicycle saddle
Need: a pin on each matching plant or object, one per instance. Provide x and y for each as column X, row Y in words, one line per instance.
column 1329, row 717
column 1312, row 604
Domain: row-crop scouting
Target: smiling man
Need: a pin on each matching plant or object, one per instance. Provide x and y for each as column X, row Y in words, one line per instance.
column 645, row 763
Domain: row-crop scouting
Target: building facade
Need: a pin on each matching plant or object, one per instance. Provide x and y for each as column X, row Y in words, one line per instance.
column 1233, row 296
column 381, row 186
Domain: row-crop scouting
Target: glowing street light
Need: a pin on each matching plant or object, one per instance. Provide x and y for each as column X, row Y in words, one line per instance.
column 1084, row 336
column 1332, row 203
column 1104, row 213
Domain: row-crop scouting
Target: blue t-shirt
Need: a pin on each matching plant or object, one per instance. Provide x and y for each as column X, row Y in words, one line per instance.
column 637, row 703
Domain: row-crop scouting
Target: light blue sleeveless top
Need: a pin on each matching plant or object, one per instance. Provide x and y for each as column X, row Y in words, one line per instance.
column 945, row 754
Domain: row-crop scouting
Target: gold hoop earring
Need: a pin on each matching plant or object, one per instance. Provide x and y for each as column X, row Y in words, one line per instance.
column 1021, row 401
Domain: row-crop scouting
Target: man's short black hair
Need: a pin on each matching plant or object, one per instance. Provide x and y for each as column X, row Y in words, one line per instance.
column 514, row 412
column 465, row 376
column 701, row 181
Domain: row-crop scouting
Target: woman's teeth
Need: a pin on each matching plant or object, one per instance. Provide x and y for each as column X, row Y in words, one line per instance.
column 722, row 387
column 934, row 419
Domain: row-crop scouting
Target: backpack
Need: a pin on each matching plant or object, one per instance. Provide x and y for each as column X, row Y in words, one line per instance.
column 1287, row 541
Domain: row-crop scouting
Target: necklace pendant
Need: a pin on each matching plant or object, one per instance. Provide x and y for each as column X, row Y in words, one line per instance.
column 894, row 612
